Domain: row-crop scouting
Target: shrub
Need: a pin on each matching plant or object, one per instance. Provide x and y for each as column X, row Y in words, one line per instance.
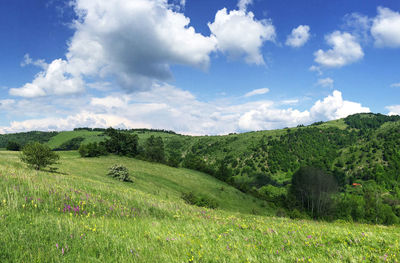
column 38, row 156
column 93, row 149
column 119, row 172
column 201, row 201
column 13, row 146
column 70, row 145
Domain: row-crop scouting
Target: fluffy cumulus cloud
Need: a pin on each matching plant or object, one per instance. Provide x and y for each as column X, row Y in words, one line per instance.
column 257, row 92
column 56, row 79
column 299, row 36
column 386, row 28
column 167, row 107
column 334, row 107
column 394, row 110
column 326, row 83
column 267, row 117
column 137, row 41
column 345, row 50
column 134, row 41
column 238, row 34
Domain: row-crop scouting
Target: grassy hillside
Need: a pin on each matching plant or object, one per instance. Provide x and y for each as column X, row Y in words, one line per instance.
column 146, row 221
column 361, row 149
column 63, row 137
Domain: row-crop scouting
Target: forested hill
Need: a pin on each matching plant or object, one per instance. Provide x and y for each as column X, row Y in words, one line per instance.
column 361, row 153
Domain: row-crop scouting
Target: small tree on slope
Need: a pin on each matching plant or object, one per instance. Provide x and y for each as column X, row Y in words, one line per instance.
column 38, row 156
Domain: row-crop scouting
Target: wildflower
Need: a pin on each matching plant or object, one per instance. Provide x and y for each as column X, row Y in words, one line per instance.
column 57, row 245
column 62, row 251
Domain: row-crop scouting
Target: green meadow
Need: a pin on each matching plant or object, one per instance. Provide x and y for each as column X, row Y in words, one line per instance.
column 79, row 214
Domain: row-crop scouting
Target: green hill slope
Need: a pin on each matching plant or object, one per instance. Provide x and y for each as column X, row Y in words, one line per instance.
column 63, row 137
column 360, row 150
column 81, row 215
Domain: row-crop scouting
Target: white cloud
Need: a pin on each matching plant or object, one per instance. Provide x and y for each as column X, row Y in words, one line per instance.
column 345, row 50
column 167, row 107
column 29, row 61
column 110, row 102
column 395, row 85
column 83, row 119
column 334, row 107
column 257, row 92
column 6, row 104
column 316, row 69
column 289, row 102
column 299, row 36
column 57, row 79
column 238, row 34
column 265, row 117
column 393, row 110
column 325, row 83
column 359, row 25
column 242, row 4
column 134, row 41
column 386, row 28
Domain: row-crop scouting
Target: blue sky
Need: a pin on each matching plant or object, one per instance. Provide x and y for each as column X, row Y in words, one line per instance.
column 196, row 67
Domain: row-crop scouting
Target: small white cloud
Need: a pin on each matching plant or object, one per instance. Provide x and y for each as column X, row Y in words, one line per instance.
column 289, row 102
column 359, row 25
column 110, row 102
column 29, row 61
column 299, row 36
column 395, row 85
column 345, row 50
column 386, row 28
column 334, row 107
column 257, row 92
column 6, row 104
column 325, row 83
column 242, row 4
column 394, row 110
column 316, row 69
column 238, row 34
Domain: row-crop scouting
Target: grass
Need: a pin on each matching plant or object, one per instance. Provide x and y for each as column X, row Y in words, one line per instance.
column 146, row 221
column 90, row 136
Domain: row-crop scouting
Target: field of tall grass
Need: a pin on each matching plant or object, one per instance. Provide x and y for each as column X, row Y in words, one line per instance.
column 78, row 214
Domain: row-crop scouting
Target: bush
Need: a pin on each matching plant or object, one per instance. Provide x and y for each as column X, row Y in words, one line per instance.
column 201, row 201
column 13, row 146
column 70, row 145
column 38, row 156
column 119, row 172
column 93, row 149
